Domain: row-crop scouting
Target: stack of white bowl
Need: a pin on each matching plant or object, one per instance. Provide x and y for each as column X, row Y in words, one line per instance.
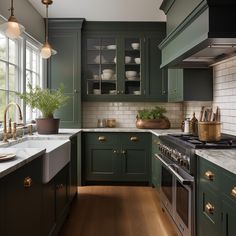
column 131, row 75
column 107, row 74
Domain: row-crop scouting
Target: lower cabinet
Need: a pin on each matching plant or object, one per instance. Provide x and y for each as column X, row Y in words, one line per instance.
column 216, row 200
column 156, row 164
column 116, row 157
column 22, row 197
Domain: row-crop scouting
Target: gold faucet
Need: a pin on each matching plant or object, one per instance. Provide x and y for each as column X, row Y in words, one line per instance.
column 5, row 118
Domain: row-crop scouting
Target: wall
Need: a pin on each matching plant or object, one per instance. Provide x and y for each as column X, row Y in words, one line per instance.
column 27, row 16
column 224, row 92
column 125, row 112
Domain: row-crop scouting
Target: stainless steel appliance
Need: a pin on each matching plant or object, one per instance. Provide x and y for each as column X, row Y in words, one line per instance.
column 178, row 175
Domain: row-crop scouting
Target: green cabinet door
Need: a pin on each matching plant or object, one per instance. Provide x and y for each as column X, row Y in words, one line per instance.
column 73, row 168
column 23, row 200
column 61, row 186
column 190, row 85
column 229, row 217
column 64, row 67
column 2, row 209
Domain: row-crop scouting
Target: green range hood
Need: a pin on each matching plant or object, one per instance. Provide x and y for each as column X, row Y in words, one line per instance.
column 206, row 36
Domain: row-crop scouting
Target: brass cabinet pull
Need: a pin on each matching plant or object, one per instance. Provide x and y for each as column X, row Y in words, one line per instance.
column 134, row 139
column 28, row 182
column 102, row 138
column 209, row 208
column 209, row 175
column 233, row 192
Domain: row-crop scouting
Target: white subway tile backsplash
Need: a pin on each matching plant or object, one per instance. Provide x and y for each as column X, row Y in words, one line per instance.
column 125, row 113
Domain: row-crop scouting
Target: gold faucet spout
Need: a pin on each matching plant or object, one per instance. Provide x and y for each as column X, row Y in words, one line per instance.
column 5, row 117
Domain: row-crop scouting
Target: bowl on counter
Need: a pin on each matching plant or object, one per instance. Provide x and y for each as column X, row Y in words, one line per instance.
column 130, row 73
column 137, row 60
column 135, row 46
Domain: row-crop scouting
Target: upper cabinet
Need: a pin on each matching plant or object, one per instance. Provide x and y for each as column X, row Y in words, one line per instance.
column 199, row 33
column 120, row 62
column 65, row 67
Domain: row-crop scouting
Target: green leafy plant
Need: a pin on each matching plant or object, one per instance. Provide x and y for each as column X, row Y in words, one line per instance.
column 47, row 101
column 151, row 114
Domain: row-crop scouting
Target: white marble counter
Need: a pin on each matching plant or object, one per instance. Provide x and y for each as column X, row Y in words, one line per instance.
column 23, row 156
column 225, row 158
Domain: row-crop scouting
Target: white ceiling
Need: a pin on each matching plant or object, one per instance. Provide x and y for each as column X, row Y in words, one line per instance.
column 104, row 10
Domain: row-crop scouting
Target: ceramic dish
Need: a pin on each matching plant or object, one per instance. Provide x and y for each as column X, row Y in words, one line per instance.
column 131, row 73
column 137, row 60
column 137, row 92
column 135, row 46
column 96, row 91
column 128, row 59
column 111, row 47
column 7, row 156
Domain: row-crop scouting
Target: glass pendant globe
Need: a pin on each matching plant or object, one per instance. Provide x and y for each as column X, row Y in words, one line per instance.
column 13, row 30
column 46, row 51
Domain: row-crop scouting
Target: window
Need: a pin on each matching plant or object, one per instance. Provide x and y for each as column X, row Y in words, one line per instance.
column 33, row 74
column 9, row 73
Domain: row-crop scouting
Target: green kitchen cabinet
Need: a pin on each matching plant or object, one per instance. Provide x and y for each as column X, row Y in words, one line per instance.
column 129, row 52
column 73, row 168
column 2, row 209
column 65, row 67
column 156, row 164
column 116, row 157
column 190, row 85
column 216, row 200
column 22, row 199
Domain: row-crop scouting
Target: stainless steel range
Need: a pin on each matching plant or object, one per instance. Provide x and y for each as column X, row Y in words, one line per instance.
column 178, row 174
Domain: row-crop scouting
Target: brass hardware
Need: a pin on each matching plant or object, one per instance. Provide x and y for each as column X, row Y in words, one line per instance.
column 28, row 182
column 209, row 208
column 5, row 118
column 123, row 152
column 14, row 131
column 134, row 138
column 30, row 129
column 115, row 152
column 9, row 127
column 102, row 138
column 118, row 92
column 233, row 192
column 209, row 175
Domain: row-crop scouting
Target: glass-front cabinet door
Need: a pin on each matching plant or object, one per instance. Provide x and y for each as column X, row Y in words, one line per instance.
column 113, row 66
column 100, row 73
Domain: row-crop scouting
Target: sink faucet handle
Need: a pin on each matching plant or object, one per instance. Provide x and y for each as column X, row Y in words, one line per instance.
column 9, row 126
column 14, row 131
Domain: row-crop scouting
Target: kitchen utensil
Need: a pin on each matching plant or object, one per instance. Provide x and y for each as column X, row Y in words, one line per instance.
column 194, row 125
column 209, row 131
column 111, row 123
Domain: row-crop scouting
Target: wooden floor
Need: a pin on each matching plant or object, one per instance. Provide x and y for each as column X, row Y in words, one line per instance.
column 117, row 211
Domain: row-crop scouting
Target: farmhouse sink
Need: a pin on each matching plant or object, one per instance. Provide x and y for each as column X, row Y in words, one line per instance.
column 56, row 157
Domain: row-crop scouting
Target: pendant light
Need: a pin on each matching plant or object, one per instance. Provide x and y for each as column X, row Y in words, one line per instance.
column 12, row 29
column 46, row 50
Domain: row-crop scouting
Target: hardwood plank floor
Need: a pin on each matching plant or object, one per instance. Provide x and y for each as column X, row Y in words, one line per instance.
column 117, row 211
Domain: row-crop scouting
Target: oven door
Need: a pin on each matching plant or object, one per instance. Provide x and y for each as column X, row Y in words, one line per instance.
column 167, row 185
column 184, row 200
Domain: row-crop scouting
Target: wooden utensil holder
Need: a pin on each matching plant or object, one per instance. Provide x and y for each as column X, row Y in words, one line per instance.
column 209, row 131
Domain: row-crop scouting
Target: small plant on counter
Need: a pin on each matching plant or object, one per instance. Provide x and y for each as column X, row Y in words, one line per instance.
column 47, row 101
column 152, row 119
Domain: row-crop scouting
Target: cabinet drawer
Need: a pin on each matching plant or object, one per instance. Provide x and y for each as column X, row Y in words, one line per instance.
column 101, row 138
column 210, row 205
column 134, row 139
column 209, row 174
column 228, row 182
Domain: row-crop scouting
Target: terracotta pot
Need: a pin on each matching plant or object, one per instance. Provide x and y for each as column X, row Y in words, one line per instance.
column 162, row 123
column 47, row 125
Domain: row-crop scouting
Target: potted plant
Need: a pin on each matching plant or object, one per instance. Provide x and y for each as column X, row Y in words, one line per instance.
column 152, row 119
column 47, row 101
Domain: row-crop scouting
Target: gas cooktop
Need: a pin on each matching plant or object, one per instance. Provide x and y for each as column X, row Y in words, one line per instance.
column 227, row 141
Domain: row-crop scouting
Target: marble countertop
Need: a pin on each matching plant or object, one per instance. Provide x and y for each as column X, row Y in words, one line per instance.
column 225, row 158
column 23, row 156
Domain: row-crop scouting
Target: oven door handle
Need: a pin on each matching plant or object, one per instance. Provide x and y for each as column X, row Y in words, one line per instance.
column 179, row 177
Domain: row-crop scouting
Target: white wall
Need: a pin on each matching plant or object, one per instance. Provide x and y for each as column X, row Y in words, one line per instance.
column 104, row 10
column 26, row 15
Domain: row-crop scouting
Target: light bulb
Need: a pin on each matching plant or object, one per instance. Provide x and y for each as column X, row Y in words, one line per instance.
column 46, row 51
column 13, row 30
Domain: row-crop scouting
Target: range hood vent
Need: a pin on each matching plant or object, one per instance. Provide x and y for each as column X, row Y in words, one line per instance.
column 205, row 37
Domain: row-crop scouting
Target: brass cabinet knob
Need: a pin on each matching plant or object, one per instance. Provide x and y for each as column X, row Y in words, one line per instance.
column 28, row 182
column 209, row 175
column 102, row 138
column 233, row 192
column 115, row 152
column 134, row 139
column 123, row 152
column 209, row 208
